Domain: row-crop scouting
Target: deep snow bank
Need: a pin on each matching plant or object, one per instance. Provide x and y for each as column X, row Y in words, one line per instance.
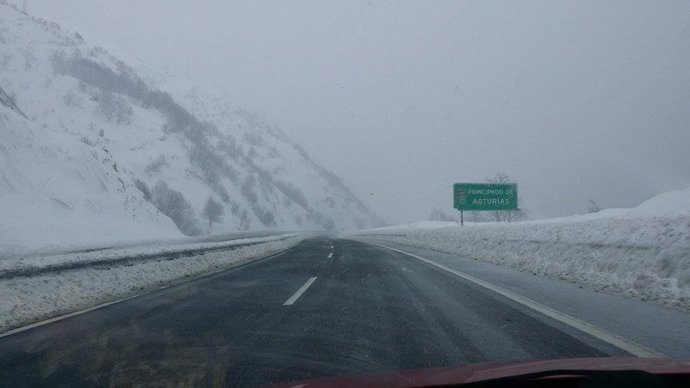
column 643, row 252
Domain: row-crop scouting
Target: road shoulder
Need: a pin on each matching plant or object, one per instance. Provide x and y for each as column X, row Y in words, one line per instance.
column 656, row 327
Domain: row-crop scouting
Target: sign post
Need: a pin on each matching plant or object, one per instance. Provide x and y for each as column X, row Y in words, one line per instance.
column 484, row 197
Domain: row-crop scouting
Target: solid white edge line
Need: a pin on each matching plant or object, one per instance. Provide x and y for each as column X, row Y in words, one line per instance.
column 106, row 304
column 613, row 339
column 65, row 316
column 299, row 292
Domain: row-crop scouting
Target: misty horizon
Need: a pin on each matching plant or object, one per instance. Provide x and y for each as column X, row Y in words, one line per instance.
column 574, row 101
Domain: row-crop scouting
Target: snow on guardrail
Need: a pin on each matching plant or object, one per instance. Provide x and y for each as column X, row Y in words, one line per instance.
column 32, row 266
column 46, row 287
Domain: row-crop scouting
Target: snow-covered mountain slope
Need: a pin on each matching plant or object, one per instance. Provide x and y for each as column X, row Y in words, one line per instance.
column 56, row 191
column 101, row 153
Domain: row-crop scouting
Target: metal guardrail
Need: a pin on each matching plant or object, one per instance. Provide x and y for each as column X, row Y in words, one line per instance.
column 125, row 261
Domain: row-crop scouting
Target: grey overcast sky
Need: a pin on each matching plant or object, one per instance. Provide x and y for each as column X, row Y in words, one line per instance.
column 573, row 99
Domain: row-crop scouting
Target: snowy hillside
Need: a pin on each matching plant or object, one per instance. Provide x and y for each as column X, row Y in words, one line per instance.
column 56, row 191
column 90, row 153
column 643, row 251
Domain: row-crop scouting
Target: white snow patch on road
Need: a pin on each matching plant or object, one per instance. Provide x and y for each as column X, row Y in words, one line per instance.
column 26, row 300
column 643, row 252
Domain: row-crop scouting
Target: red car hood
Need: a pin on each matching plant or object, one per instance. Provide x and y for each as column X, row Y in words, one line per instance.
column 494, row 370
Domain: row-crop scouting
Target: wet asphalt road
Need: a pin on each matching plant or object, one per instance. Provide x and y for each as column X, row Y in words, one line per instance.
column 368, row 310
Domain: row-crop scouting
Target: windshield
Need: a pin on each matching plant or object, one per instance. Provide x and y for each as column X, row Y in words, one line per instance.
column 239, row 193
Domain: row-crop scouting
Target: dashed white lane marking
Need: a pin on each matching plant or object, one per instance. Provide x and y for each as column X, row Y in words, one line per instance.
column 613, row 339
column 330, row 255
column 299, row 292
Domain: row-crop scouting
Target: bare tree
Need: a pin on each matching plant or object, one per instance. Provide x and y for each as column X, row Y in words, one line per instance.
column 114, row 108
column 440, row 215
column 71, row 99
column 505, row 215
column 478, row 217
column 174, row 205
column 29, row 58
column 213, row 211
column 592, row 206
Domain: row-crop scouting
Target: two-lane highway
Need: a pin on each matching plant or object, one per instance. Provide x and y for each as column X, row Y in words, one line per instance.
column 326, row 307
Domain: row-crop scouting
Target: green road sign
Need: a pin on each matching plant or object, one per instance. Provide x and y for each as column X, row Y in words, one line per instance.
column 485, row 196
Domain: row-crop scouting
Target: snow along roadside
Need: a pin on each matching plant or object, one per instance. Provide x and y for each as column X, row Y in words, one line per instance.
column 35, row 265
column 29, row 299
column 644, row 257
